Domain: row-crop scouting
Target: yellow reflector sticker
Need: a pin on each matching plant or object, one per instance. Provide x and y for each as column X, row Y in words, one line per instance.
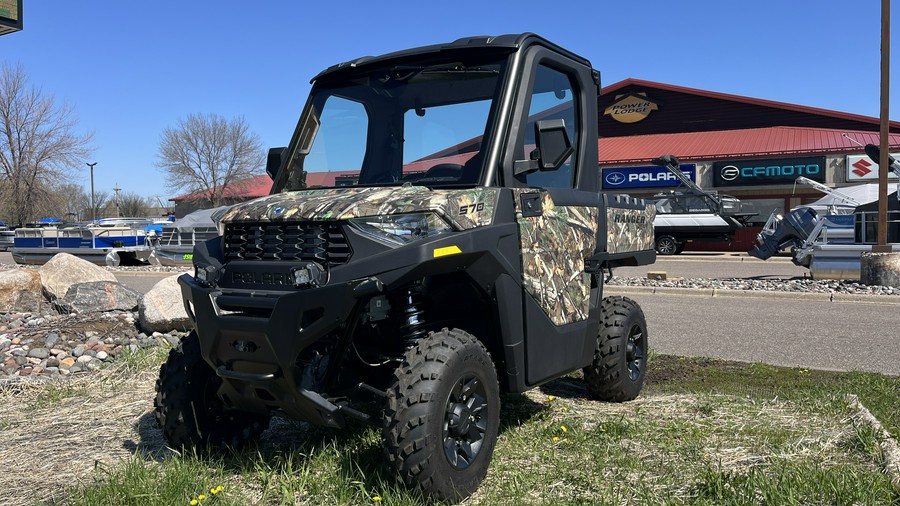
column 446, row 250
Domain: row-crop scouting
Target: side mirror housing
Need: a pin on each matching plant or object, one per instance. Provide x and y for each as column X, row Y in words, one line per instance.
column 553, row 147
column 274, row 161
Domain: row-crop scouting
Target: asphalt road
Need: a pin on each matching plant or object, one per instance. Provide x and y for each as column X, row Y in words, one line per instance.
column 846, row 336
column 753, row 327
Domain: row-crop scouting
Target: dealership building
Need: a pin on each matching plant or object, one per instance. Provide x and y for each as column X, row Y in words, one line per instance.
column 749, row 148
column 745, row 147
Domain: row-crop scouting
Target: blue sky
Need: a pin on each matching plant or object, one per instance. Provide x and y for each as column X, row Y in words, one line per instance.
column 133, row 68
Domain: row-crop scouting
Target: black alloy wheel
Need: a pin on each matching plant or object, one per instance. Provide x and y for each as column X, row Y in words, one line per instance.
column 465, row 421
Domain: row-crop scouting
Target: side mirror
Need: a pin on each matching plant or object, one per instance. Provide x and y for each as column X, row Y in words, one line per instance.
column 553, row 147
column 553, row 143
column 274, row 160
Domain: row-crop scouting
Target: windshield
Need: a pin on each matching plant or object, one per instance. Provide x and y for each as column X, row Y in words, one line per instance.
column 422, row 124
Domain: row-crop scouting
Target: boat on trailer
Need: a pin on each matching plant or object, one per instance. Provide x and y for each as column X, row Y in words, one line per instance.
column 111, row 241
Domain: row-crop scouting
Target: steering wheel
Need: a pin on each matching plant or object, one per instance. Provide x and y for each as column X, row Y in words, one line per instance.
column 453, row 170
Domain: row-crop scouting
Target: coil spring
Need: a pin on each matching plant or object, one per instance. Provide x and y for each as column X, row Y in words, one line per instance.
column 412, row 321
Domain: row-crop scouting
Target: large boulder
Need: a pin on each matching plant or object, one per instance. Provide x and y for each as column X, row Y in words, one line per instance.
column 20, row 291
column 97, row 297
column 65, row 270
column 162, row 309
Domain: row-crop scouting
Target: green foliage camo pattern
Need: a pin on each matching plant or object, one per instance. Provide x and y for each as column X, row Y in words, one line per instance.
column 464, row 209
column 629, row 229
column 554, row 246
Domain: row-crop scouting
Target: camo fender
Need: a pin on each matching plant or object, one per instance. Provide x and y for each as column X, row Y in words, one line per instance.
column 629, row 229
column 464, row 209
column 553, row 248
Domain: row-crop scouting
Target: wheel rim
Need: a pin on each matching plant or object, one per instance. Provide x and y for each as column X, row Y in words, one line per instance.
column 666, row 247
column 465, row 421
column 634, row 352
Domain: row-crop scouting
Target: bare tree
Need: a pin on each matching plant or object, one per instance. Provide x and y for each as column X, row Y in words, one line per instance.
column 207, row 154
column 101, row 202
column 133, row 205
column 38, row 143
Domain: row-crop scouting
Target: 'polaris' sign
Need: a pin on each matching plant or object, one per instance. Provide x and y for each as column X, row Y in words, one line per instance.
column 649, row 176
column 768, row 172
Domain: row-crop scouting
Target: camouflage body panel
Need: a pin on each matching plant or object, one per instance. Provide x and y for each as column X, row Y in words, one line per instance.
column 554, row 246
column 464, row 209
column 629, row 228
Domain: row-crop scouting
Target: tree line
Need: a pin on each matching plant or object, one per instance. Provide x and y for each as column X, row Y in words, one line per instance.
column 41, row 147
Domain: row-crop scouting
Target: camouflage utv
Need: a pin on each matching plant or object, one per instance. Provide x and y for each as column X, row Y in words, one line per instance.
column 465, row 261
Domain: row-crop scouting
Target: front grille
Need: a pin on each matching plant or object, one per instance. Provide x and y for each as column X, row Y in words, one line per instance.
column 320, row 242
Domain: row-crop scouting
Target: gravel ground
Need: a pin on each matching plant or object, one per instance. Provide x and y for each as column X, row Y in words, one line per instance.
column 766, row 285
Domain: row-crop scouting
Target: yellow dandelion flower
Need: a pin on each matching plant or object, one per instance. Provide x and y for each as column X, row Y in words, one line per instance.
column 555, row 439
column 550, row 397
column 220, row 488
column 565, row 408
column 602, row 429
column 214, row 491
column 564, row 429
column 376, row 498
column 194, row 502
column 201, row 497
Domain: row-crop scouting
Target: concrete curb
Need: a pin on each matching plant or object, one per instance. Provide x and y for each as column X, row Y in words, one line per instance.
column 888, row 446
column 754, row 294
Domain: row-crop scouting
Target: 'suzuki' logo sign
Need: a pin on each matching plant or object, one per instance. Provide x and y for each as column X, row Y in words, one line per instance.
column 631, row 108
column 861, row 168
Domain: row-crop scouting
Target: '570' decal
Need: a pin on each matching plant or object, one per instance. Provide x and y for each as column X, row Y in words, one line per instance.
column 471, row 208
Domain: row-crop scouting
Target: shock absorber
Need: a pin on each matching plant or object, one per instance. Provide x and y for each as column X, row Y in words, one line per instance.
column 411, row 313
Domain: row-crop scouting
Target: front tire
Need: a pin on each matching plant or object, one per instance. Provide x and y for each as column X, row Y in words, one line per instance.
column 188, row 410
column 443, row 415
column 620, row 358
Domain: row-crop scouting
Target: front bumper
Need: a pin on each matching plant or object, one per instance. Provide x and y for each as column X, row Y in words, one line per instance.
column 256, row 356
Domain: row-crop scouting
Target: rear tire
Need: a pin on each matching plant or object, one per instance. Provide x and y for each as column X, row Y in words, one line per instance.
column 188, row 410
column 667, row 245
column 620, row 358
column 443, row 415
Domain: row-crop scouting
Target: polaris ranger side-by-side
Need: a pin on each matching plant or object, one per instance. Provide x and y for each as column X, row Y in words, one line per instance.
column 467, row 260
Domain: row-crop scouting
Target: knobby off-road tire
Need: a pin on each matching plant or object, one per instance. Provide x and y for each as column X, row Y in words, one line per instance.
column 620, row 358
column 188, row 410
column 443, row 415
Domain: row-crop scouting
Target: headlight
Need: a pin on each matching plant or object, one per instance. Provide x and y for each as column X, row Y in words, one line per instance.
column 400, row 229
column 206, row 275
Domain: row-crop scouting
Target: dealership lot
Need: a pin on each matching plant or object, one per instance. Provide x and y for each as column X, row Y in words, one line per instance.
column 748, row 326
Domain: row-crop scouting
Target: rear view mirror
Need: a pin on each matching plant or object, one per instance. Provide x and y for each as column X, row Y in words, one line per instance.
column 274, row 160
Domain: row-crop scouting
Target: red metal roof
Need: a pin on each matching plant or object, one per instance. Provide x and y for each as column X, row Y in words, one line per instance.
column 747, row 143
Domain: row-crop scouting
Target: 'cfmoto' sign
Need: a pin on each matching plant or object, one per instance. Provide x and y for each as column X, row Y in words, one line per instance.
column 649, row 176
column 768, row 172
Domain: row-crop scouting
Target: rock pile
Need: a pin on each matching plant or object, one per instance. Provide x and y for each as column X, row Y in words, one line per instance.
column 52, row 345
column 770, row 285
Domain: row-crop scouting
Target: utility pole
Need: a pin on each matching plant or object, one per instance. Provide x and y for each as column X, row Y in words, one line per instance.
column 883, row 165
column 93, row 209
column 117, row 190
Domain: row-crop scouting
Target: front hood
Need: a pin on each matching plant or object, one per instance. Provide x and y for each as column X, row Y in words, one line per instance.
column 464, row 209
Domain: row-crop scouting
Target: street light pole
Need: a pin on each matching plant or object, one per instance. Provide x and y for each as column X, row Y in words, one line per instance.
column 93, row 209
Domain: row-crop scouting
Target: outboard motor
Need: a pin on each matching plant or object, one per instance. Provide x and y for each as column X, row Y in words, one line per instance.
column 779, row 233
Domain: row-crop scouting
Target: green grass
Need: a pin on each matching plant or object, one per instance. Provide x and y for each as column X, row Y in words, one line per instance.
column 704, row 432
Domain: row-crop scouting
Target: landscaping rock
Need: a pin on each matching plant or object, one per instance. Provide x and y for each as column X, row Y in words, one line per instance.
column 65, row 270
column 98, row 296
column 162, row 309
column 20, row 290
